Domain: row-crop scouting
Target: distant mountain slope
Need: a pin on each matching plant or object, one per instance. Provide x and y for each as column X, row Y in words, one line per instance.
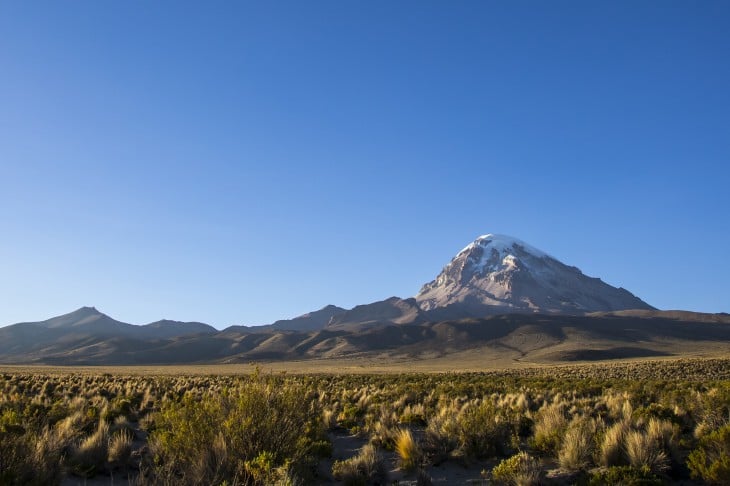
column 310, row 321
column 85, row 318
column 87, row 331
column 389, row 311
column 678, row 315
column 306, row 322
column 166, row 328
column 520, row 337
column 498, row 274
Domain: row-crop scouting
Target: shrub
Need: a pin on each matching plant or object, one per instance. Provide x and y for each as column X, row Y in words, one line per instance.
column 710, row 461
column 624, row 476
column 383, row 428
column 213, row 439
column 367, row 467
column 261, row 470
column 442, row 433
column 654, row 411
column 350, row 416
column 28, row 456
column 423, row 478
column 14, row 449
column 713, row 409
column 483, row 432
column 413, row 414
column 519, row 470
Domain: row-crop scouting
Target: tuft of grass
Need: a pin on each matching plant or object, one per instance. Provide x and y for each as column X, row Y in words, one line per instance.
column 367, row 467
column 121, row 423
column 383, row 427
column 612, row 451
column 550, row 426
column 90, row 455
column 414, row 414
column 665, row 434
column 329, row 419
column 409, row 453
column 46, row 458
column 577, row 448
column 29, row 458
column 120, row 448
column 442, row 433
column 644, row 452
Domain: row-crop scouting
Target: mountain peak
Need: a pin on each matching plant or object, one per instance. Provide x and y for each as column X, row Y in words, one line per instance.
column 500, row 273
column 87, row 310
column 83, row 312
column 503, row 243
column 80, row 317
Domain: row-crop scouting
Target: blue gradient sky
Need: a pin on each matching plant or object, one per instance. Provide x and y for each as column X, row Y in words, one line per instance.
column 237, row 163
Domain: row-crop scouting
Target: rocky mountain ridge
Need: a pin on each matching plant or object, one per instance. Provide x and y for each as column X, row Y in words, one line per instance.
column 501, row 274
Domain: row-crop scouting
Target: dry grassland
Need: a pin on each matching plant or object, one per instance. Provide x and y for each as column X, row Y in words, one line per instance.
column 663, row 421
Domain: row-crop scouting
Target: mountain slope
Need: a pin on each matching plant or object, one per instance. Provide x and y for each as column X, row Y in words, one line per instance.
column 393, row 310
column 166, row 328
column 86, row 332
column 86, row 319
column 498, row 274
column 309, row 321
column 506, row 338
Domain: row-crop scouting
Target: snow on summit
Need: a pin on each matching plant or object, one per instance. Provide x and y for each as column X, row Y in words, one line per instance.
column 503, row 243
column 499, row 273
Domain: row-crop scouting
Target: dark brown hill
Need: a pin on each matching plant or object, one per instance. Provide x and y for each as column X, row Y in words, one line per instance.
column 520, row 337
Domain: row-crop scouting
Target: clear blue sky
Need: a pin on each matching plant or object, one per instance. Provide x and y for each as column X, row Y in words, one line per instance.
column 241, row 162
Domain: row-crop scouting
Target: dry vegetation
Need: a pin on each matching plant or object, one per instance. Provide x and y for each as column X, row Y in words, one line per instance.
column 631, row 423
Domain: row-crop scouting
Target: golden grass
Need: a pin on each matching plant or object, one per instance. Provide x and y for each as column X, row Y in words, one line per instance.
column 577, row 447
column 612, row 451
column 90, row 454
column 550, row 426
column 643, row 451
column 409, row 452
column 120, row 448
column 367, row 467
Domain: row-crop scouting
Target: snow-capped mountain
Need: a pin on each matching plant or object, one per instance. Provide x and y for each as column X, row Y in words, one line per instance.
column 497, row 273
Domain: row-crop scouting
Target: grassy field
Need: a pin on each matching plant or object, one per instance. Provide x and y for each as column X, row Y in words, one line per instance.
column 473, row 361
column 644, row 421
